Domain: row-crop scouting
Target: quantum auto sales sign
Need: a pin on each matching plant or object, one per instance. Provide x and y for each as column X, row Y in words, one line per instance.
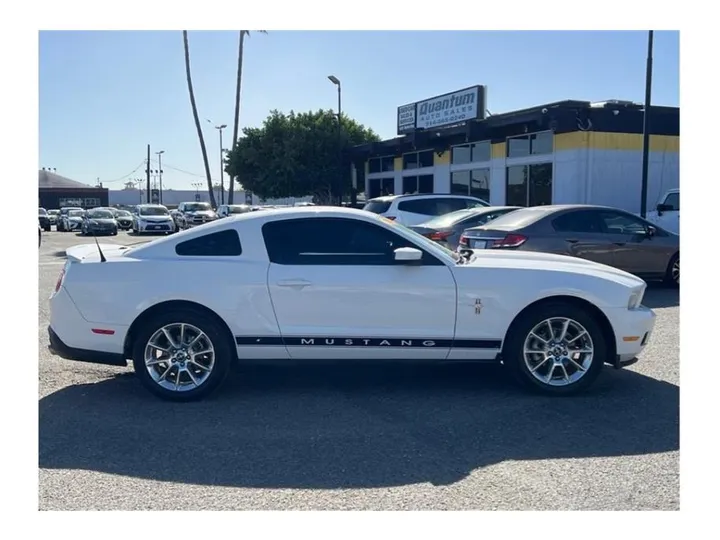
column 445, row 110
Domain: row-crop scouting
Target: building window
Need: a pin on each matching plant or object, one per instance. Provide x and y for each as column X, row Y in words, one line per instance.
column 475, row 182
column 381, row 164
column 418, row 160
column 534, row 144
column 377, row 187
column 418, row 184
column 529, row 185
column 471, row 153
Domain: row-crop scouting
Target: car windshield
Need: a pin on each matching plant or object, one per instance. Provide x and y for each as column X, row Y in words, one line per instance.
column 76, row 213
column 100, row 214
column 448, row 220
column 154, row 211
column 122, row 213
column 377, row 207
column 519, row 218
column 196, row 207
column 420, row 239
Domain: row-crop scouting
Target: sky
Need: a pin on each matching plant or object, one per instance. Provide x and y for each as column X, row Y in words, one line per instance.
column 106, row 95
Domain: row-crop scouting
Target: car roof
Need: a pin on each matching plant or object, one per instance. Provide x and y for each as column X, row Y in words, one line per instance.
column 389, row 198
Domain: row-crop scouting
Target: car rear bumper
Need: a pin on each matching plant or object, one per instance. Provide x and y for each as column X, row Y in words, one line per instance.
column 59, row 348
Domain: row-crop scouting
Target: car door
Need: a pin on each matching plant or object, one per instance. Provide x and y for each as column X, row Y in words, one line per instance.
column 339, row 293
column 636, row 251
column 579, row 233
column 669, row 217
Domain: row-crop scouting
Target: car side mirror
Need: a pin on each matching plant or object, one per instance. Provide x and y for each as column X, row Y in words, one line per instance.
column 651, row 231
column 664, row 208
column 408, row 255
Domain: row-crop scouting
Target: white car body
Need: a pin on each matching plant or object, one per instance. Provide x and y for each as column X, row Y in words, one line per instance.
column 415, row 209
column 226, row 210
column 435, row 310
column 152, row 218
column 667, row 212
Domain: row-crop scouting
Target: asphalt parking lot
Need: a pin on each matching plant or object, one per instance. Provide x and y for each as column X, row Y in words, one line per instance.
column 371, row 438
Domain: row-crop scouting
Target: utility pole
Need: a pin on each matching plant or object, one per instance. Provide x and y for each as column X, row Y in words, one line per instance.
column 646, row 127
column 222, row 181
column 147, row 171
column 159, row 155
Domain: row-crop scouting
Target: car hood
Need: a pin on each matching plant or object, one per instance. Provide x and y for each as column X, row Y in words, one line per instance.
column 102, row 221
column 156, row 219
column 549, row 262
column 124, row 218
column 207, row 213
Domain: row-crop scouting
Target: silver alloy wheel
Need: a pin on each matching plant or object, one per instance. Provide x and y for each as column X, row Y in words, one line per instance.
column 179, row 357
column 675, row 272
column 558, row 351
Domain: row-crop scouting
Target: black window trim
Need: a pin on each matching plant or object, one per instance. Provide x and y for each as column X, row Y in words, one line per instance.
column 469, row 146
column 417, row 153
column 528, row 136
column 428, row 259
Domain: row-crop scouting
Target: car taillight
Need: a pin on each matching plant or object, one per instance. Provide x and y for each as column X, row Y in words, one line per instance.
column 439, row 235
column 464, row 240
column 60, row 280
column 510, row 241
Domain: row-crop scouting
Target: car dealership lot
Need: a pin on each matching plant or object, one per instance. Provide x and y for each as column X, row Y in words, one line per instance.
column 381, row 438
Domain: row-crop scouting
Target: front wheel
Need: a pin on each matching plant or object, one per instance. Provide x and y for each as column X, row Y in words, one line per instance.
column 182, row 355
column 555, row 348
column 672, row 274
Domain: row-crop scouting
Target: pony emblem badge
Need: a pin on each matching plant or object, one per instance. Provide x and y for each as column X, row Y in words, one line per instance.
column 478, row 306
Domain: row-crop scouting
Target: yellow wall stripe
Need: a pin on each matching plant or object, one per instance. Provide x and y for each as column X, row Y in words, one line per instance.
column 615, row 141
column 498, row 150
column 398, row 163
column 444, row 159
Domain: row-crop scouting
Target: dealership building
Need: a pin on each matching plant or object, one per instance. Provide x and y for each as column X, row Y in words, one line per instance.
column 558, row 153
column 56, row 191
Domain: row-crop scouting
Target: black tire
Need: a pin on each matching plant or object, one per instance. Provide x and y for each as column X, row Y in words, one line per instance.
column 218, row 336
column 669, row 277
column 114, row 233
column 513, row 347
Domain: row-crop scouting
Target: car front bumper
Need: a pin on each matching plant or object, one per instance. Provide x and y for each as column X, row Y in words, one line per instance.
column 633, row 330
column 162, row 227
column 73, row 225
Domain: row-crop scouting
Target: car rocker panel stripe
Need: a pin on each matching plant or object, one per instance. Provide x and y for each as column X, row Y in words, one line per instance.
column 315, row 341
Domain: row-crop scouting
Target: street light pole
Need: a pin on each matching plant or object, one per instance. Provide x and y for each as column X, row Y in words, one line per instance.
column 222, row 181
column 333, row 79
column 159, row 155
column 646, row 127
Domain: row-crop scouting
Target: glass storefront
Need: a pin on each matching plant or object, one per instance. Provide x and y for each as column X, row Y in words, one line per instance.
column 529, row 185
column 378, row 187
column 474, row 182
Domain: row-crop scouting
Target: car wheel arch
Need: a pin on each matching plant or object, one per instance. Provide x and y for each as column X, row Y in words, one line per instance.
column 581, row 303
column 172, row 305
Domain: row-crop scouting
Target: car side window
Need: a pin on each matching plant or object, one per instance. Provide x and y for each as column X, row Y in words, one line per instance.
column 419, row 206
column 579, row 221
column 334, row 242
column 219, row 244
column 450, row 204
column 673, row 201
column 617, row 223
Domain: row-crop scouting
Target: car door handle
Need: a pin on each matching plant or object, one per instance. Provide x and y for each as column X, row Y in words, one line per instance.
column 293, row 283
column 572, row 240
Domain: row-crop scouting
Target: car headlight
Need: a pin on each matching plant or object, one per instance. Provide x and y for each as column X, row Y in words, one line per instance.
column 636, row 299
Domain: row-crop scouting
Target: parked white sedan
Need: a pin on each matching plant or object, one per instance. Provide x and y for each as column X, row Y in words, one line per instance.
column 306, row 284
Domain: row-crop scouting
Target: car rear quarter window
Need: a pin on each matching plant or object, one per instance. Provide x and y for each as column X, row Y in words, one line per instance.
column 519, row 218
column 377, row 207
column 582, row 221
column 219, row 244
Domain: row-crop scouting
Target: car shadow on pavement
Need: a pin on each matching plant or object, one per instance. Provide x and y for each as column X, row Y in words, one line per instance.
column 327, row 427
column 661, row 296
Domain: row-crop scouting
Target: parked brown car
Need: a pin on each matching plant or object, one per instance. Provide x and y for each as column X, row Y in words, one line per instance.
column 598, row 233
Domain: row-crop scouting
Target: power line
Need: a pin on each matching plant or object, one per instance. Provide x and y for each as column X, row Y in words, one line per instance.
column 125, row 176
column 179, row 170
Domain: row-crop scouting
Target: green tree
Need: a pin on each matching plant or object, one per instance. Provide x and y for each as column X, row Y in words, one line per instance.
column 197, row 119
column 297, row 154
column 238, row 84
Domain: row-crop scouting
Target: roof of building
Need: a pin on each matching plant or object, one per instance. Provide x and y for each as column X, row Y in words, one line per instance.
column 47, row 179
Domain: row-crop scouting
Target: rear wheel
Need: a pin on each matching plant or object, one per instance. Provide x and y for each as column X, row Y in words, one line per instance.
column 182, row 355
column 556, row 348
column 672, row 274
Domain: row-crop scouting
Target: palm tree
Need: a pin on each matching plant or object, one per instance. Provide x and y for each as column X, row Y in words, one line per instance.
column 197, row 120
column 236, row 126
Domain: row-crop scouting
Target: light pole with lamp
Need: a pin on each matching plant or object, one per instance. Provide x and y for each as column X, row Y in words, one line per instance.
column 197, row 186
column 333, row 79
column 222, row 181
column 160, row 171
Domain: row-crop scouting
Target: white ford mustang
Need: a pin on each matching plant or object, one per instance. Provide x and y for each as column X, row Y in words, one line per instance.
column 321, row 283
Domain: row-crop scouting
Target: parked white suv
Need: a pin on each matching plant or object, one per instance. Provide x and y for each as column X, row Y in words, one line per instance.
column 415, row 209
column 667, row 213
column 225, row 210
